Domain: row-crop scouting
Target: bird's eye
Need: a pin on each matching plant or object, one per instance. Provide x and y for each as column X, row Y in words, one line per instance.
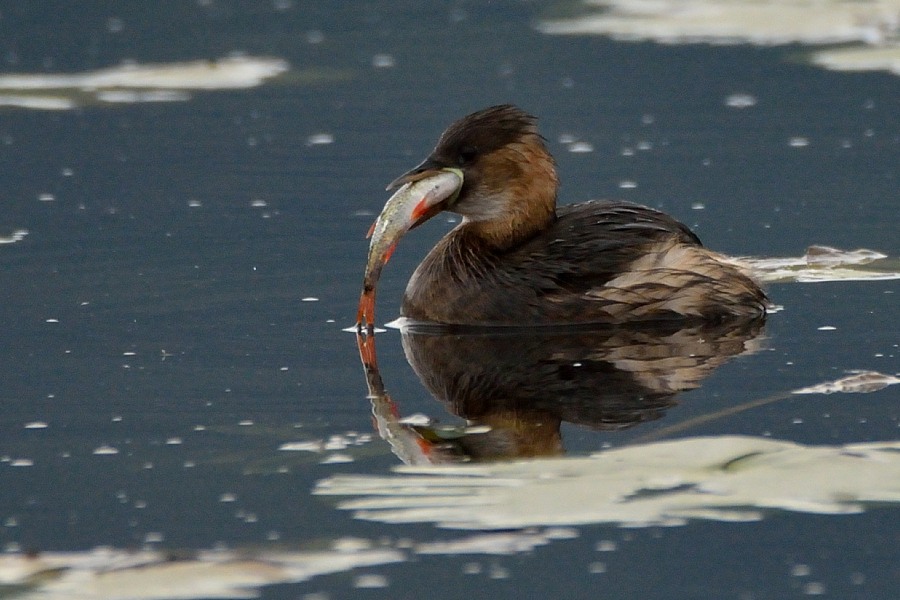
column 467, row 155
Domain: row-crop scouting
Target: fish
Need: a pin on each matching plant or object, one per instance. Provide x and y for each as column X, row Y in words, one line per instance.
column 413, row 203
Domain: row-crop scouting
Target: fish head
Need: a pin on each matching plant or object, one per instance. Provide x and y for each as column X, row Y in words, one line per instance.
column 426, row 175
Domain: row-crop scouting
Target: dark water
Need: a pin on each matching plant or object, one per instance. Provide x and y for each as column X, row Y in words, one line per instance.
column 156, row 305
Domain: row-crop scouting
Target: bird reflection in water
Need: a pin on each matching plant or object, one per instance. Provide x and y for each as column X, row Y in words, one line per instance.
column 515, row 387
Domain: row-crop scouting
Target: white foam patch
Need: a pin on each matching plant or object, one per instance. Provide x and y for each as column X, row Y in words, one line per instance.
column 497, row 543
column 865, row 58
column 37, row 102
column 762, row 22
column 862, row 382
column 724, row 478
column 867, row 29
column 131, row 83
column 232, row 72
column 822, row 263
column 119, row 574
column 16, row 236
column 137, row 97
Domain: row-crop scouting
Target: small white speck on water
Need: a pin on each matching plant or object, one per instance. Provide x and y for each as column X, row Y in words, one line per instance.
column 370, row 581
column 314, row 446
column 581, row 147
column 498, row 572
column 597, row 567
column 314, row 36
column 740, row 100
column 320, row 139
column 115, row 25
column 384, row 61
column 351, row 544
column 827, row 328
column 336, row 458
column 814, row 588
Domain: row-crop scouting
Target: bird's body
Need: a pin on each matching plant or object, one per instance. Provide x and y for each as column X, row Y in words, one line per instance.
column 598, row 262
column 518, row 259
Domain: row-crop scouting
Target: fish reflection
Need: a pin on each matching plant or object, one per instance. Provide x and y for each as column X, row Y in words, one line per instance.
column 515, row 387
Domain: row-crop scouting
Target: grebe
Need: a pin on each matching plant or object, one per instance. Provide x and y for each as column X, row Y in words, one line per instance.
column 519, row 259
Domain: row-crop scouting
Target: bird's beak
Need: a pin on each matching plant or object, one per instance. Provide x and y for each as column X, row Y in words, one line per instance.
column 426, row 168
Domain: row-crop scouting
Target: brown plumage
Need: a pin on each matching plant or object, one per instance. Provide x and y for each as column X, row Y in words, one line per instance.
column 518, row 259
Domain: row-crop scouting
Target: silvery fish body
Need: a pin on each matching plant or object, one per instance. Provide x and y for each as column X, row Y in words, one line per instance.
column 405, row 209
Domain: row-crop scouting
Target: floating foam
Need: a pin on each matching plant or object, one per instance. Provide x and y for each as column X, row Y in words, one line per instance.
column 872, row 25
column 136, row 83
column 232, row 72
column 724, row 478
column 115, row 574
column 823, row 263
column 762, row 22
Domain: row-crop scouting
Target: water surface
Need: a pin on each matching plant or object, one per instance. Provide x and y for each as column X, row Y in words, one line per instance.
column 174, row 315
